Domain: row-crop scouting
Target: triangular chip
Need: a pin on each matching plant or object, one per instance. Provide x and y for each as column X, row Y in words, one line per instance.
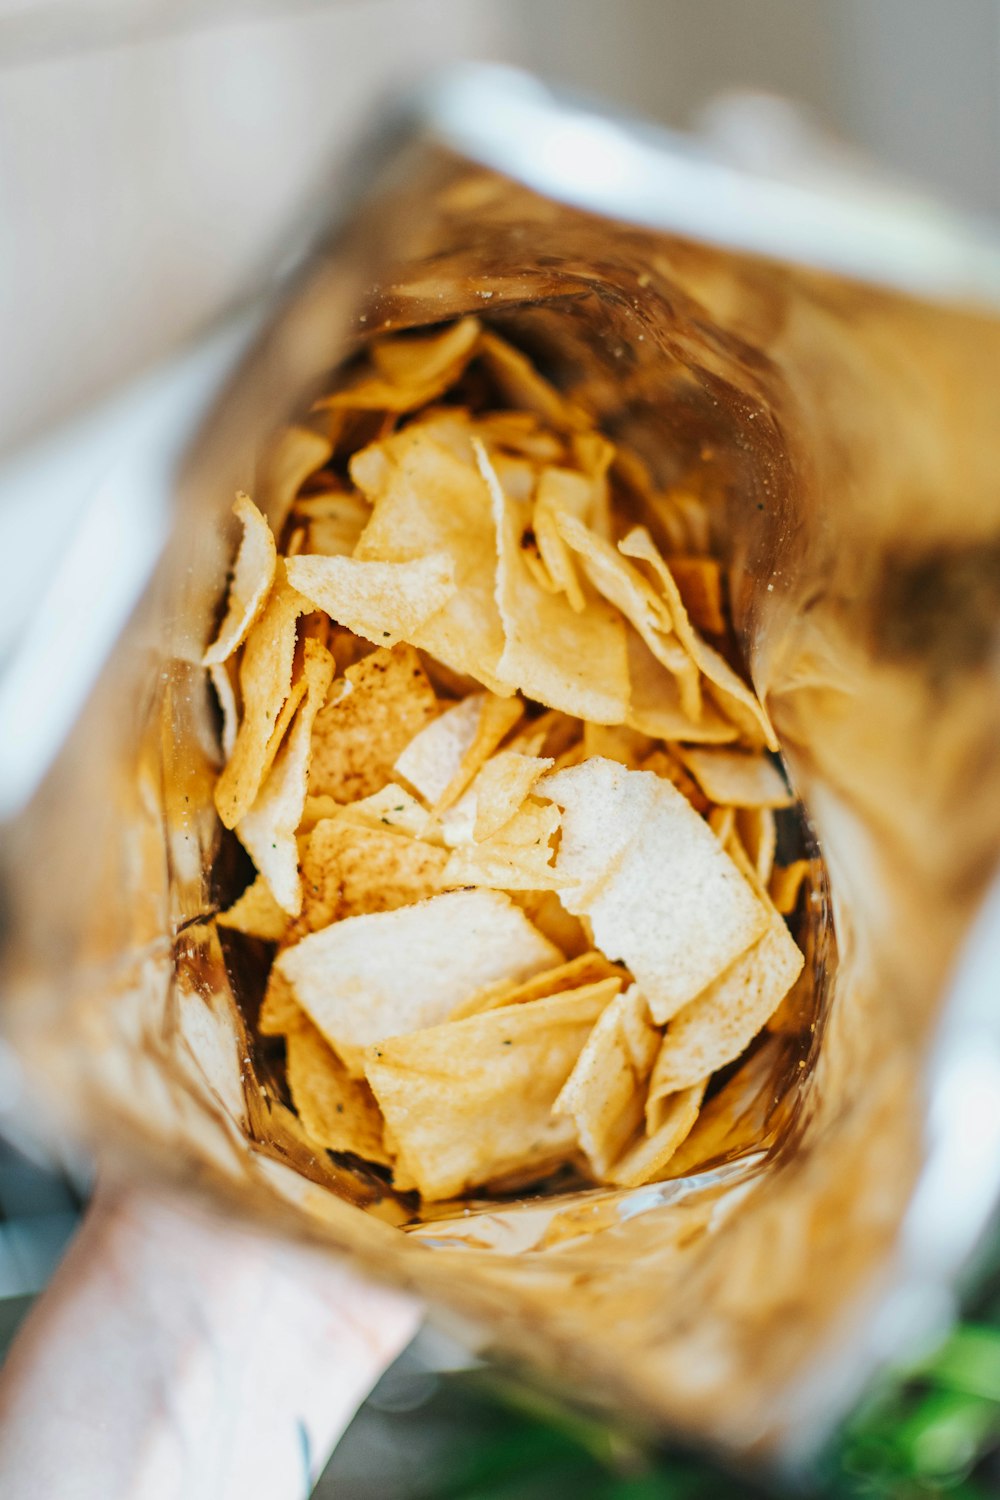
column 279, row 1010
column 575, row 662
column 370, row 977
column 516, row 858
column 295, row 453
column 392, row 808
column 256, row 913
column 267, row 831
column 338, row 1112
column 500, row 788
column 655, row 706
column 253, row 574
column 433, row 758
column 723, row 1021
column 738, row 702
column 471, row 1101
column 383, row 601
column 428, row 501
column 265, row 682
column 661, row 893
column 604, row 1093
column 350, row 869
column 384, row 700
column 648, row 1159
column 737, row 778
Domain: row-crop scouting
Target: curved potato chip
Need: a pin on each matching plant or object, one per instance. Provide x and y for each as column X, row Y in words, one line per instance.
column 736, row 699
column 409, row 372
column 786, row 882
column 471, row 1101
column 648, row 1159
column 737, row 778
column 253, row 574
column 586, row 968
column 433, row 758
column 225, row 691
column 267, row 831
column 385, row 602
column 500, row 788
column 256, row 913
column 604, row 1092
column 295, row 453
column 411, row 966
column 722, row 1022
column 523, row 387
column 265, row 683
column 661, row 893
column 655, row 706
column 573, row 662
column 338, row 1112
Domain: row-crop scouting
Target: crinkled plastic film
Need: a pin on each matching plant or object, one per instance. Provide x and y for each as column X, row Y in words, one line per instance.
column 847, row 438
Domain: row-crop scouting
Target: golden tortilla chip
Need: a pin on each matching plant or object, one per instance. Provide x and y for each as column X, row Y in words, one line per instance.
column 648, row 1159
column 429, row 501
column 471, row 1101
column 267, row 831
column 786, row 883
column 385, row 602
column 384, row 702
column 256, row 913
column 351, row 869
column 699, row 583
column 736, row 778
column 409, row 372
column 603, row 1095
column 585, row 969
column 265, row 683
column 338, row 1112
column 369, row 977
column 723, row 1020
column 736, row 700
column 296, row 453
column 253, row 574
column 661, row 893
column 574, row 662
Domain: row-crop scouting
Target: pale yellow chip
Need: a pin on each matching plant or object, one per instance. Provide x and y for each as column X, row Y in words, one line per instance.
column 393, row 808
column 617, row 742
column 547, row 913
column 648, row 1159
column 561, row 491
column 604, row 1093
column 284, row 467
column 428, row 501
column 265, row 682
column 253, row 574
column 786, row 882
column 758, row 833
column 722, row 821
column 256, row 913
column 660, row 892
column 267, row 831
column 337, row 533
column 699, row 583
column 221, row 677
column 525, row 389
column 574, row 662
column 736, row 778
column 585, row 968
column 433, row 758
column 723, row 1020
column 350, row 869
column 385, row 602
column 384, row 701
column 655, row 706
column 518, row 857
column 662, row 763
column 369, row 977
column 520, row 432
column 337, row 1111
column 500, row 788
column 410, row 372
column 737, row 701
column 471, row 1101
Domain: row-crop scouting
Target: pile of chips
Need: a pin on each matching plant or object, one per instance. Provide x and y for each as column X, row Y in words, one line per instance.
column 510, row 803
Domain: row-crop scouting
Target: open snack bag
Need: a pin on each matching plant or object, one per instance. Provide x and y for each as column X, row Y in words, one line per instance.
column 525, row 835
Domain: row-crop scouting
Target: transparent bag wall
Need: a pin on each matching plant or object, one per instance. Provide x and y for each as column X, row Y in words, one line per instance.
column 849, row 442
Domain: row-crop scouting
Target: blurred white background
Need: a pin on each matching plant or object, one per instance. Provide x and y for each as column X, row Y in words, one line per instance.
column 153, row 153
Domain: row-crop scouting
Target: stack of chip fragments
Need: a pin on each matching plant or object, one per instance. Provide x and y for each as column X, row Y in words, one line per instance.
column 510, row 802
